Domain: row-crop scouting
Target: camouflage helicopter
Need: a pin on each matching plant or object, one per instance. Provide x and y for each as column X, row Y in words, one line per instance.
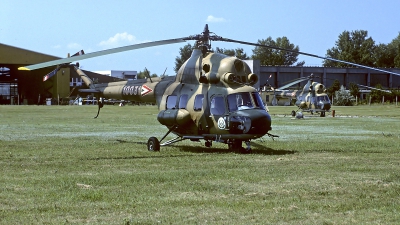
column 211, row 98
column 312, row 98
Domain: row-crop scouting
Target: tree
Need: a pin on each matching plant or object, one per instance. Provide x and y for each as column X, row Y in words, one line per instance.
column 384, row 56
column 389, row 55
column 378, row 94
column 184, row 54
column 394, row 95
column 352, row 47
column 354, row 90
column 273, row 57
column 238, row 53
column 343, row 97
column 335, row 87
column 143, row 74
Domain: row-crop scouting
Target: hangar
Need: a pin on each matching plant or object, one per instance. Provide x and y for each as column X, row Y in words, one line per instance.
column 27, row 87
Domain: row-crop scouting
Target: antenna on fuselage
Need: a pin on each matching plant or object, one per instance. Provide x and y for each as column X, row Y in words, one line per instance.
column 148, row 74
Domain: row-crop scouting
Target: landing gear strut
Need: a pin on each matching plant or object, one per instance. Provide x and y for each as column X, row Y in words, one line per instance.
column 153, row 144
column 236, row 145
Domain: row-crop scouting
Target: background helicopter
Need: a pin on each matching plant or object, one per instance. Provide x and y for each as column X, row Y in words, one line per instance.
column 312, row 98
column 211, row 98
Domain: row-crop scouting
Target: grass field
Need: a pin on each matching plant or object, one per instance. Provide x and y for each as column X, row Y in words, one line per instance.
column 61, row 166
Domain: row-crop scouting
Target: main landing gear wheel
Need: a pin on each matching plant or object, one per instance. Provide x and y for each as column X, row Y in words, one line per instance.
column 236, row 145
column 153, row 144
column 293, row 113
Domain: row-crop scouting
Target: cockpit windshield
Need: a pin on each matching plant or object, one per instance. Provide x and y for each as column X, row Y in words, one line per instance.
column 244, row 100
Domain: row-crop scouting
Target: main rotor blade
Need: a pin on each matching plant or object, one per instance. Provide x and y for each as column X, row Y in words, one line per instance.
column 307, row 54
column 387, row 91
column 101, row 53
column 293, row 83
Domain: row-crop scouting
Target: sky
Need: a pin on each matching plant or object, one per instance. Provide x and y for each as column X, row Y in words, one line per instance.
column 59, row 27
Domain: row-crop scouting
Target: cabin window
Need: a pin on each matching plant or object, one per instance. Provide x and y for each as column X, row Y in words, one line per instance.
column 198, row 102
column 217, row 106
column 183, row 101
column 171, row 101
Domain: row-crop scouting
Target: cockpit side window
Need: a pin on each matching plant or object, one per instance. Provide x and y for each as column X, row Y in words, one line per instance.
column 217, row 106
column 198, row 102
column 171, row 101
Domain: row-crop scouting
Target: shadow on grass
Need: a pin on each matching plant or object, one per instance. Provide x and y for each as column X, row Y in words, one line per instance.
column 259, row 150
column 262, row 150
column 256, row 149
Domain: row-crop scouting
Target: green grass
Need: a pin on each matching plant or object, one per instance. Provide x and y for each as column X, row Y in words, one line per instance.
column 61, row 166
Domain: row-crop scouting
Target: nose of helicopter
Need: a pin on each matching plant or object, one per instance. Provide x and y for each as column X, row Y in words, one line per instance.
column 252, row 122
column 260, row 122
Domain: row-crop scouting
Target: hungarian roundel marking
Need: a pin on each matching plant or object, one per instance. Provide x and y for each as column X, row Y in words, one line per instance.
column 145, row 90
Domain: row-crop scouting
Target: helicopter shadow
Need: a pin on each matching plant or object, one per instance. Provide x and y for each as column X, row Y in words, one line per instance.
column 262, row 150
column 256, row 149
column 137, row 157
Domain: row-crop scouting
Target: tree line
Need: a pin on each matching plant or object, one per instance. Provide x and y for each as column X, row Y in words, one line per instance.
column 354, row 46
